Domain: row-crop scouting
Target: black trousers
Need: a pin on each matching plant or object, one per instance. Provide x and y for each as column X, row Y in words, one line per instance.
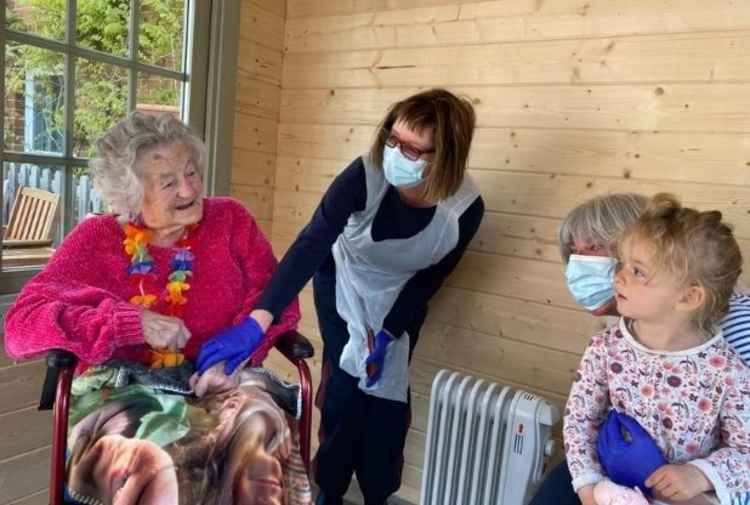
column 557, row 489
column 359, row 433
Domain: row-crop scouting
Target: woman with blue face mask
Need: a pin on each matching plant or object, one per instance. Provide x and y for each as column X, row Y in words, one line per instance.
column 388, row 231
column 586, row 237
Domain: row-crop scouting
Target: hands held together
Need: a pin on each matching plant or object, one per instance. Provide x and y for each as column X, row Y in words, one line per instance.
column 221, row 358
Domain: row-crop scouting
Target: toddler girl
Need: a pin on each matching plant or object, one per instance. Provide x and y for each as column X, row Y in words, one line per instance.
column 666, row 364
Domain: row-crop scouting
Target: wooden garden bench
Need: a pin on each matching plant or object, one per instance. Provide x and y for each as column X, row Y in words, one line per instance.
column 31, row 218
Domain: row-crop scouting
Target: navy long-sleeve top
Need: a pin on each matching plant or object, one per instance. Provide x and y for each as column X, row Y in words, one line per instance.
column 395, row 219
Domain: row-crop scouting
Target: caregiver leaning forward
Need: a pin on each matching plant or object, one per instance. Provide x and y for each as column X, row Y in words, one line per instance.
column 387, row 232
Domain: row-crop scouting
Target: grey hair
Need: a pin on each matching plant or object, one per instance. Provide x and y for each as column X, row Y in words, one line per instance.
column 599, row 221
column 113, row 167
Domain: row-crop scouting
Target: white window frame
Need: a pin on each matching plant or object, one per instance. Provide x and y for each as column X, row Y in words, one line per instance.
column 211, row 30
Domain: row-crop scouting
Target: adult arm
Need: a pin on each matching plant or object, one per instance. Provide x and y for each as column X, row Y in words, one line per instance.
column 257, row 264
column 346, row 195
column 69, row 304
column 736, row 325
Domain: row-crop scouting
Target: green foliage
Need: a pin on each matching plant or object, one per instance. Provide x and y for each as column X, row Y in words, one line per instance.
column 101, row 89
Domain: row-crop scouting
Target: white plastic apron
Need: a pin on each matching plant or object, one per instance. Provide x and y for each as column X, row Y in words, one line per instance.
column 370, row 275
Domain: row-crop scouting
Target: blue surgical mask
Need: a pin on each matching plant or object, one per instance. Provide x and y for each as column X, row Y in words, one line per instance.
column 401, row 171
column 591, row 279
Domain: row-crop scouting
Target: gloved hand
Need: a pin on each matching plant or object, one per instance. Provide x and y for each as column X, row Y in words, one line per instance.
column 627, row 458
column 377, row 357
column 233, row 345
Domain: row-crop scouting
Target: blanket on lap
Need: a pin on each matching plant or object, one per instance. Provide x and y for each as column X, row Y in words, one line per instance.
column 139, row 436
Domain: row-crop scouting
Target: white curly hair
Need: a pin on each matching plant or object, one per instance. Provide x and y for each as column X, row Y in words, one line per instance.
column 114, row 169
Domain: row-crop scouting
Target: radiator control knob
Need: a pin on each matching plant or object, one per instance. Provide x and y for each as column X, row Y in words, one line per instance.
column 549, row 447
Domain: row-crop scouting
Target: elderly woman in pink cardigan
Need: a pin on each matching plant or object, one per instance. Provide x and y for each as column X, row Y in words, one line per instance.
column 170, row 270
column 169, row 275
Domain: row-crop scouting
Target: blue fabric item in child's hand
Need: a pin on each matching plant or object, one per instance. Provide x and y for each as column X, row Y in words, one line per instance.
column 233, row 345
column 627, row 452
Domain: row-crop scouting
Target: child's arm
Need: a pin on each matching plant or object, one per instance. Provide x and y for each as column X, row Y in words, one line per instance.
column 728, row 467
column 584, row 412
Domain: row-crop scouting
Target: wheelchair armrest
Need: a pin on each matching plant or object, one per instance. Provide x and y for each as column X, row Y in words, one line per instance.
column 295, row 346
column 57, row 360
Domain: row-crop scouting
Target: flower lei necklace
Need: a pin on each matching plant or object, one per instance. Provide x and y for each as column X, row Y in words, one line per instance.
column 137, row 239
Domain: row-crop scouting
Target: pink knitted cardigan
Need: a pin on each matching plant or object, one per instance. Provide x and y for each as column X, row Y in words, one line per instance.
column 79, row 302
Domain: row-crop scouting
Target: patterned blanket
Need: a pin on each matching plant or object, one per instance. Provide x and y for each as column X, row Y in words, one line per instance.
column 140, row 437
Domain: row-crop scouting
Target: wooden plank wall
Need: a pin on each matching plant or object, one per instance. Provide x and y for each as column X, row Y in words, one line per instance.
column 574, row 98
column 258, row 94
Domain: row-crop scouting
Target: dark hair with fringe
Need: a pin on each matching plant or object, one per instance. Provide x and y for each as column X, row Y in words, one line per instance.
column 453, row 120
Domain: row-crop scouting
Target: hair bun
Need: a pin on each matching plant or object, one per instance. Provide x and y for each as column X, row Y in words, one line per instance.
column 664, row 205
column 710, row 217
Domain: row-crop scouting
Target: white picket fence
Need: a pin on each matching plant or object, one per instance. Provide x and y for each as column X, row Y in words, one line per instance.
column 85, row 199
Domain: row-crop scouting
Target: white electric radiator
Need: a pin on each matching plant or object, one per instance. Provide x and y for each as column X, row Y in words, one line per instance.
column 486, row 443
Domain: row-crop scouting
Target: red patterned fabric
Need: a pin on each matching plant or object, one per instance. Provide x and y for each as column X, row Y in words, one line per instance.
column 79, row 302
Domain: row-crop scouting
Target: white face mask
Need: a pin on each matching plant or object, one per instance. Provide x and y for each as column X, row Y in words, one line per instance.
column 400, row 171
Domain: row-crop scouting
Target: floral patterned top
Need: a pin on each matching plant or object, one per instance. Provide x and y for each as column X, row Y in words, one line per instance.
column 694, row 403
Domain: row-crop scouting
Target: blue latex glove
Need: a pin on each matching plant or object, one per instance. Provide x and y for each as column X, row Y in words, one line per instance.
column 233, row 345
column 377, row 357
column 627, row 452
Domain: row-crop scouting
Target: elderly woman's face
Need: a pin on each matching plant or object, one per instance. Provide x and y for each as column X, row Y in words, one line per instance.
column 173, row 187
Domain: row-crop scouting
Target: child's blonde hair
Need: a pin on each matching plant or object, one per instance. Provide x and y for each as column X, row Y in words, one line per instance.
column 697, row 248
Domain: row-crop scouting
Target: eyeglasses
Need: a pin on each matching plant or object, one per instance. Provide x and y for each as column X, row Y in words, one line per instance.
column 408, row 150
column 592, row 249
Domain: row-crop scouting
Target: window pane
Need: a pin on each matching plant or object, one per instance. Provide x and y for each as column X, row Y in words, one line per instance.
column 101, row 101
column 161, row 29
column 86, row 201
column 34, row 100
column 32, row 217
column 40, row 17
column 103, row 25
column 158, row 94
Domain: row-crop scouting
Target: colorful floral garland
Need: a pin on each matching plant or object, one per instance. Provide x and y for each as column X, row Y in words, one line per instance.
column 137, row 239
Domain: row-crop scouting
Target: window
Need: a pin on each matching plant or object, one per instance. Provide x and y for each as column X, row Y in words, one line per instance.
column 72, row 69
column 42, row 97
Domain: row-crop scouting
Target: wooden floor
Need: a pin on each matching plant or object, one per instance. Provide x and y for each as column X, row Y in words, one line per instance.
column 25, row 256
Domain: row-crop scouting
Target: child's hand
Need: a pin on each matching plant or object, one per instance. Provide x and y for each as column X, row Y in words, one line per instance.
column 586, row 495
column 679, row 482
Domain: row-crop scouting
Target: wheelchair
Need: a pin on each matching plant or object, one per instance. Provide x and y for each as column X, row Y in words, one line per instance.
column 56, row 396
